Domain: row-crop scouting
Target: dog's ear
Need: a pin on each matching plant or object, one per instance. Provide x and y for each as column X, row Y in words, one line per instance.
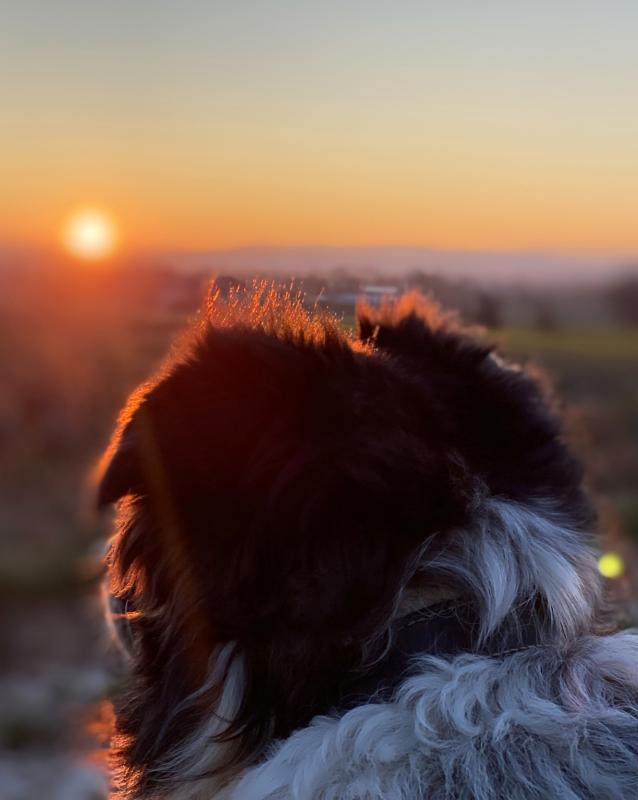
column 499, row 415
column 120, row 472
column 131, row 463
column 416, row 327
column 366, row 325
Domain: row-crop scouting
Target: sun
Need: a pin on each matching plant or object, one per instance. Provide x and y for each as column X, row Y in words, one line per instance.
column 90, row 234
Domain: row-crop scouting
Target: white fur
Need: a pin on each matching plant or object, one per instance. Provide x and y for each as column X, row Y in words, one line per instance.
column 557, row 720
column 514, row 552
column 538, row 724
column 198, row 755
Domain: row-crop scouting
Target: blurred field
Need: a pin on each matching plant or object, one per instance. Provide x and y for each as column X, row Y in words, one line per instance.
column 70, row 354
column 593, row 344
column 595, row 378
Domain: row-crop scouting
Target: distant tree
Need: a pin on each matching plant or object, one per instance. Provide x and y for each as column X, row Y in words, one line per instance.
column 488, row 311
column 545, row 318
column 436, row 285
column 451, row 294
column 623, row 300
column 343, row 281
column 420, row 280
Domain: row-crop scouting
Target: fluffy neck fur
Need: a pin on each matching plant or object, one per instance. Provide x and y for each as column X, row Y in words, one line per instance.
column 546, row 722
column 522, row 568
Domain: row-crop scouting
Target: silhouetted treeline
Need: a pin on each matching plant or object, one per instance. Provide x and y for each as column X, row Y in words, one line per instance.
column 623, row 301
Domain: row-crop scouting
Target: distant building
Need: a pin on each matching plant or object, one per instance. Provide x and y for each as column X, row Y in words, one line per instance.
column 375, row 295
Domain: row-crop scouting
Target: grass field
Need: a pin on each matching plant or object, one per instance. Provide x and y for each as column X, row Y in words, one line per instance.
column 616, row 344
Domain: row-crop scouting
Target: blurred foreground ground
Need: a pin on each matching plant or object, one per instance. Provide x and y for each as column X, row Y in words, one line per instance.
column 70, row 352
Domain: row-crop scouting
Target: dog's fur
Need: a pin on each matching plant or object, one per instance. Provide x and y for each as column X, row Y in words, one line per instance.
column 286, row 494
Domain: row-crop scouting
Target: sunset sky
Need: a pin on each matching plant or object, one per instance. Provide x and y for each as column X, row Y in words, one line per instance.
column 215, row 124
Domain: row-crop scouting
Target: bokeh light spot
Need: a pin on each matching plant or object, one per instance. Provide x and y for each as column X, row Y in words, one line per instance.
column 611, row 565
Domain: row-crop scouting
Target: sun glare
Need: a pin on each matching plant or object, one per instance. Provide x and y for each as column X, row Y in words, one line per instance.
column 91, row 235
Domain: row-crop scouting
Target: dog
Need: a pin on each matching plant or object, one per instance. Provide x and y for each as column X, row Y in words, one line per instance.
column 357, row 566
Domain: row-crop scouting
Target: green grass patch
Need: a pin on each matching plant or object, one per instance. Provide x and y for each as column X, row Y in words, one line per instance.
column 611, row 343
column 628, row 509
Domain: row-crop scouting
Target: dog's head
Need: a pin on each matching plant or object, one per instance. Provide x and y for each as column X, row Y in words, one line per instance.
column 280, row 485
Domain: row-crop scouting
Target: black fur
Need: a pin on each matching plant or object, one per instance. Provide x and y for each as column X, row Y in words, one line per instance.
column 280, row 480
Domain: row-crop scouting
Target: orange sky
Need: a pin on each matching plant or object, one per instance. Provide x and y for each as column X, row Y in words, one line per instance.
column 219, row 125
